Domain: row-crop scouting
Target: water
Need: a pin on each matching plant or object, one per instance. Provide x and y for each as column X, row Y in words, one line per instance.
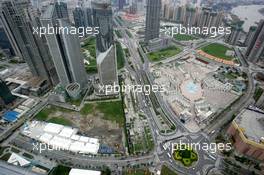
column 249, row 14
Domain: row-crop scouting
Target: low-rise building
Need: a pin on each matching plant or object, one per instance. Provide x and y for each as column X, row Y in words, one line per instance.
column 247, row 133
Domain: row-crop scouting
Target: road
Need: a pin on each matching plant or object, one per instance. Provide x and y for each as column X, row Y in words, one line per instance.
column 207, row 160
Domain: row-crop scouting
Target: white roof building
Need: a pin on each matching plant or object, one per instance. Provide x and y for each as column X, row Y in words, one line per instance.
column 53, row 128
column 61, row 137
column 17, row 160
column 84, row 172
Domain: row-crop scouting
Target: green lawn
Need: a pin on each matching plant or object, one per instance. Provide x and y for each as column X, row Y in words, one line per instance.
column 92, row 67
column 166, row 171
column 87, row 109
column 3, row 66
column 120, row 56
column 44, row 114
column 5, row 157
column 119, row 35
column 2, row 149
column 164, row 53
column 257, row 94
column 60, row 170
column 186, row 156
column 112, row 110
column 217, row 50
column 60, row 120
column 183, row 37
column 90, row 45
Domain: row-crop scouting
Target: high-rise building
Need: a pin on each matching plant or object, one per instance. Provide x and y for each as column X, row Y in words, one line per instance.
column 79, row 17
column 4, row 41
column 204, row 19
column 64, row 46
column 250, row 35
column 83, row 17
column 103, row 18
column 5, row 94
column 152, row 19
column 234, row 36
column 18, row 21
column 189, row 17
column 106, row 56
column 121, row 4
column 255, row 49
column 88, row 17
column 106, row 63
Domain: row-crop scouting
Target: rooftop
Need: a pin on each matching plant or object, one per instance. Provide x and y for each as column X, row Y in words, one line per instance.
column 251, row 123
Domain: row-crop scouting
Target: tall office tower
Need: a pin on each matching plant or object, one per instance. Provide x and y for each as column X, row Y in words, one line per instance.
column 204, row 18
column 79, row 17
column 4, row 41
column 234, row 36
column 178, row 13
column 165, row 11
column 133, row 7
column 88, row 16
column 18, row 22
column 106, row 62
column 255, row 49
column 103, row 18
column 250, row 35
column 152, row 19
column 121, row 4
column 189, row 17
column 106, row 57
column 5, row 94
column 64, row 46
column 212, row 20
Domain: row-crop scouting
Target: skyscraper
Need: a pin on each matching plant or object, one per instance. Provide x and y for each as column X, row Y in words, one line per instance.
column 79, row 17
column 152, row 19
column 255, row 49
column 121, row 4
column 235, row 34
column 107, row 70
column 190, row 17
column 106, row 56
column 250, row 35
column 18, row 22
column 103, row 18
column 5, row 93
column 4, row 41
column 204, row 19
column 64, row 46
column 88, row 17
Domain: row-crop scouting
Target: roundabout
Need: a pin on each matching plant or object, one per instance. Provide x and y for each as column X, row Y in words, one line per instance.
column 185, row 155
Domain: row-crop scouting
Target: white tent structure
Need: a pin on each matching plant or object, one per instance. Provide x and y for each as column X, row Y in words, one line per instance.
column 84, row 172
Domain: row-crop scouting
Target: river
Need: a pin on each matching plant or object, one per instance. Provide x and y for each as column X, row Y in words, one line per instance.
column 250, row 14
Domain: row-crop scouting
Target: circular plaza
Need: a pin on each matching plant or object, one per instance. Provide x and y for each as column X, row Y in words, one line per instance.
column 191, row 90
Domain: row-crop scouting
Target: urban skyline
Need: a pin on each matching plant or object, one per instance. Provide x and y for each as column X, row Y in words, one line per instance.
column 129, row 87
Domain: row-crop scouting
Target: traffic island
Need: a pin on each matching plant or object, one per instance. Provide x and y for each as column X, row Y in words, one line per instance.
column 185, row 155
